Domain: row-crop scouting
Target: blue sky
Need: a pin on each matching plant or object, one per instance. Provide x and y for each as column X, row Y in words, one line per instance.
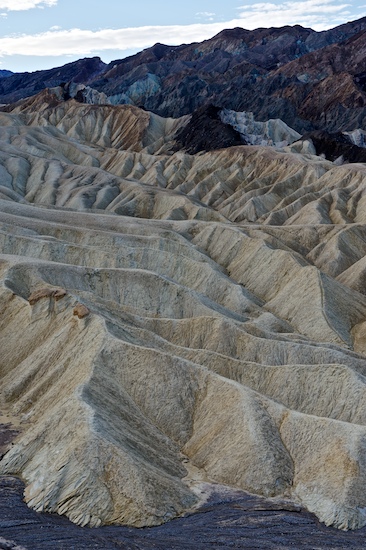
column 40, row 34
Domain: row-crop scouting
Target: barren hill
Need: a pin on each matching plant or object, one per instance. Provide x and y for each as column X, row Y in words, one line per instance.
column 171, row 319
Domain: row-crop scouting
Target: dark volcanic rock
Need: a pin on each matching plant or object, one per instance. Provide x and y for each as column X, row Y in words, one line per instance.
column 326, row 87
column 7, row 434
column 205, row 132
column 336, row 146
column 230, row 519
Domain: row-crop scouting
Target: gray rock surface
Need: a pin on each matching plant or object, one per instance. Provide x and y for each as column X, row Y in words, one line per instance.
column 273, row 132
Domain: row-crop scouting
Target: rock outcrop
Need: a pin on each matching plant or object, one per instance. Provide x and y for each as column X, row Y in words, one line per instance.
column 207, row 131
column 337, row 147
column 165, row 312
column 271, row 132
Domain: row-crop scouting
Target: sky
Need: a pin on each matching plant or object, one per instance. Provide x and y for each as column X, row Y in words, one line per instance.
column 41, row 34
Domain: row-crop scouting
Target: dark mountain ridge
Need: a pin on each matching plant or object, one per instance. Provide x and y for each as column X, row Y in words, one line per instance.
column 22, row 85
column 311, row 80
column 236, row 69
column 5, row 73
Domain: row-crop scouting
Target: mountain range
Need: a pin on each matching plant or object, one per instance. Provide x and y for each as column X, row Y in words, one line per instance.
column 311, row 80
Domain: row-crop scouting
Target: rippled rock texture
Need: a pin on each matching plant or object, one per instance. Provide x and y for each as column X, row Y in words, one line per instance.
column 170, row 319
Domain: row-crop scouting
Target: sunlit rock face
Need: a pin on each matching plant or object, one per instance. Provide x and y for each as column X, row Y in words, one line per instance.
column 170, row 318
column 271, row 132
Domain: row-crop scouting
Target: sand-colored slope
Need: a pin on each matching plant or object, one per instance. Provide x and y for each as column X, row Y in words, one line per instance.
column 120, row 158
column 137, row 383
column 161, row 310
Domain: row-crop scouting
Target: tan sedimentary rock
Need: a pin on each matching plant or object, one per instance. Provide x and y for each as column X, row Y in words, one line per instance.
column 81, row 311
column 37, row 295
column 227, row 327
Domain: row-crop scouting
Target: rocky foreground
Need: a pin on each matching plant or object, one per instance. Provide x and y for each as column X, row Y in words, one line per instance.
column 171, row 319
column 229, row 519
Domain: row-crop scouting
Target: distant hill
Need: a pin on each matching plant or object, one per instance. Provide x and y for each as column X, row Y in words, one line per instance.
column 22, row 85
column 4, row 73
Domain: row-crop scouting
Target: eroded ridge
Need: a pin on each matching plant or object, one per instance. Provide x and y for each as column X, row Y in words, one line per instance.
column 215, row 324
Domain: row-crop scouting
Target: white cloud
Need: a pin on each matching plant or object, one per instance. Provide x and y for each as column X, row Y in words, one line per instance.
column 318, row 14
column 85, row 42
column 207, row 15
column 21, row 5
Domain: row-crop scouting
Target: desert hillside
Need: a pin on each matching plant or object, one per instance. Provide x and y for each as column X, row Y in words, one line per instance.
column 170, row 317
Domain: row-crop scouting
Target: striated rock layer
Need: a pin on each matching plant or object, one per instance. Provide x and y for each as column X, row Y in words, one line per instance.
column 168, row 318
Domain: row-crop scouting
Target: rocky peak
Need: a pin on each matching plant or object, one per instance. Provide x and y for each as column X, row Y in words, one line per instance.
column 206, row 131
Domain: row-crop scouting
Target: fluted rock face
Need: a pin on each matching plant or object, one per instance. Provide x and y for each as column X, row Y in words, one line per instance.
column 164, row 313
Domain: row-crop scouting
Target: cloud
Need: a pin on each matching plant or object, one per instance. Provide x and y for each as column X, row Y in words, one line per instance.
column 209, row 16
column 318, row 14
column 83, row 42
column 21, row 5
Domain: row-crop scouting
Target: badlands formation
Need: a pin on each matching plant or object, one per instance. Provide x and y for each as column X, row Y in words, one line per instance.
column 169, row 318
